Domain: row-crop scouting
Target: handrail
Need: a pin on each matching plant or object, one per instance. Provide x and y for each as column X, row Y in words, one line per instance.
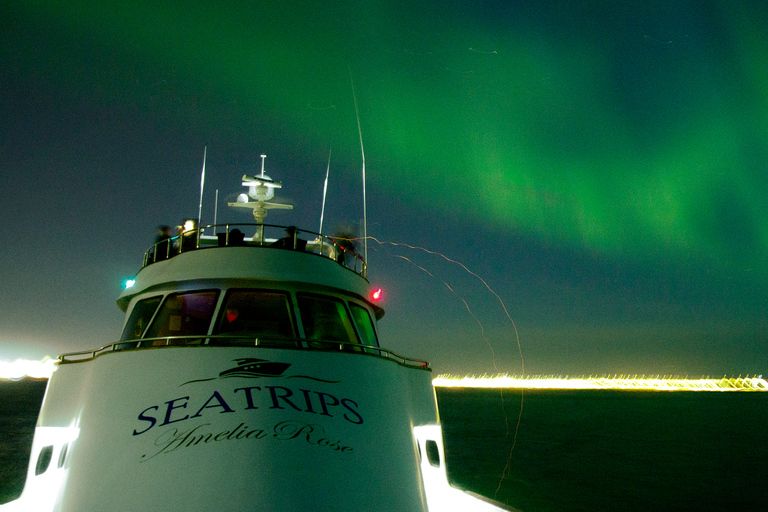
column 192, row 239
column 223, row 340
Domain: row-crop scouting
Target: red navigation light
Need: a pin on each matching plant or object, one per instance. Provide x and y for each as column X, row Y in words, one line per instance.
column 376, row 295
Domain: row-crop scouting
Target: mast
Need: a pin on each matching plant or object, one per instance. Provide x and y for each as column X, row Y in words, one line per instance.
column 202, row 184
column 365, row 208
column 325, row 191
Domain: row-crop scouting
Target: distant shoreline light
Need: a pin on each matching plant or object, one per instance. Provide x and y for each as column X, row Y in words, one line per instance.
column 21, row 368
column 44, row 368
column 618, row 382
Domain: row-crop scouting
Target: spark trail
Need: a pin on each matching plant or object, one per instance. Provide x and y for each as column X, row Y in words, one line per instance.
column 482, row 329
column 505, row 472
column 503, row 306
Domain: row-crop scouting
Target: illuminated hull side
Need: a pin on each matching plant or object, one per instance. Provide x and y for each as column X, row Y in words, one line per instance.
column 145, row 431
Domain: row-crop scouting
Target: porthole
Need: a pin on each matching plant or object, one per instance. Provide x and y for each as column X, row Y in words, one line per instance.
column 63, row 455
column 433, row 454
column 43, row 460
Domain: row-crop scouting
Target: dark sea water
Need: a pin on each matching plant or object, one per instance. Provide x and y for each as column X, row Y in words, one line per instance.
column 610, row 450
column 19, row 405
column 575, row 450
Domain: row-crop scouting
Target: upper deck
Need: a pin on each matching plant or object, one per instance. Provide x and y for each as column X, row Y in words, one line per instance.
column 226, row 253
column 338, row 249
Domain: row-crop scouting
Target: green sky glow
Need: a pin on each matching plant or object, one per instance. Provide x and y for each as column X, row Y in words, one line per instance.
column 613, row 135
column 625, row 143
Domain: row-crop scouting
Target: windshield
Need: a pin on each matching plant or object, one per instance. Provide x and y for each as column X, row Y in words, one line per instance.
column 256, row 313
column 364, row 324
column 184, row 314
column 325, row 318
column 140, row 317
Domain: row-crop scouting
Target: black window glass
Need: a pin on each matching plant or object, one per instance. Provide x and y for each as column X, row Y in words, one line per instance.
column 140, row 317
column 256, row 313
column 433, row 453
column 364, row 324
column 43, row 460
column 184, row 314
column 325, row 318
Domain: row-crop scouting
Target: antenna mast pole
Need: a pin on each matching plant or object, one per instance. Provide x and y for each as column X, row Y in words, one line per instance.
column 215, row 208
column 325, row 190
column 202, row 183
column 362, row 151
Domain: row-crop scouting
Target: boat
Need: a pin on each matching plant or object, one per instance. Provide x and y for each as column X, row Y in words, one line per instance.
column 248, row 377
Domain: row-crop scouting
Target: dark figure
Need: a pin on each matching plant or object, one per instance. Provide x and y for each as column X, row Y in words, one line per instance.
column 290, row 240
column 162, row 243
column 236, row 237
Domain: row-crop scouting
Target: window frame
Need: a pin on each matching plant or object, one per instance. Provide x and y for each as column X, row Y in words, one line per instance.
column 216, row 295
column 149, row 320
column 350, row 329
column 355, row 305
column 290, row 309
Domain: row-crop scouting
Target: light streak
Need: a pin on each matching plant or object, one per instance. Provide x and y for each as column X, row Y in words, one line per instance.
column 20, row 368
column 505, row 471
column 606, row 382
column 482, row 329
column 503, row 306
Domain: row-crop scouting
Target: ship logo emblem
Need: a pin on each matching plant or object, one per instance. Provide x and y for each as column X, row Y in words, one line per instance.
column 249, row 367
column 252, row 368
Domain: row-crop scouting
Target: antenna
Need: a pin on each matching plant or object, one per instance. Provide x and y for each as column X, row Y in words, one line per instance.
column 262, row 164
column 325, row 190
column 202, row 184
column 216, row 207
column 360, row 132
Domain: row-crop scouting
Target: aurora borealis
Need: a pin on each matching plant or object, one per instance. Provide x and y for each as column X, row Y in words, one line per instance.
column 601, row 165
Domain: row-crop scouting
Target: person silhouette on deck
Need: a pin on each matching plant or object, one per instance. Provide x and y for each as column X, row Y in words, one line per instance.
column 162, row 243
column 290, row 240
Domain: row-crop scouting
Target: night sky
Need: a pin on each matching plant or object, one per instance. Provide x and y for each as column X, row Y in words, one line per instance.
column 600, row 165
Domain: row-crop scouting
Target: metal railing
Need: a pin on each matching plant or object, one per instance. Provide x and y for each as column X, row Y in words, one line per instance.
column 338, row 249
column 223, row 340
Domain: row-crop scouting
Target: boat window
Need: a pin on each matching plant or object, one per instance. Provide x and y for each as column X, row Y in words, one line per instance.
column 63, row 455
column 256, row 313
column 184, row 314
column 364, row 324
column 140, row 317
column 43, row 460
column 325, row 318
column 433, row 453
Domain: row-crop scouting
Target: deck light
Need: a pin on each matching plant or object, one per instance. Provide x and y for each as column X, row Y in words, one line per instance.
column 376, row 295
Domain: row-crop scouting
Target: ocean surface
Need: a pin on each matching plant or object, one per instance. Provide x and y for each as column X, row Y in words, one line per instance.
column 590, row 450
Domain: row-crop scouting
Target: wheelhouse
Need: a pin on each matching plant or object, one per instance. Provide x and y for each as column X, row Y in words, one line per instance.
column 302, row 291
